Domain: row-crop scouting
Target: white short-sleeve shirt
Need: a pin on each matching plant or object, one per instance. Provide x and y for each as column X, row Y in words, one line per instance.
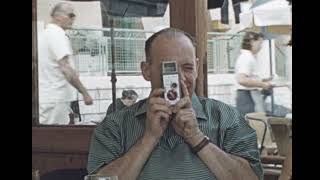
column 246, row 64
column 53, row 45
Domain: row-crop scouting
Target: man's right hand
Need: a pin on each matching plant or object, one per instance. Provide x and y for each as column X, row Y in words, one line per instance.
column 267, row 86
column 87, row 99
column 267, row 79
column 158, row 115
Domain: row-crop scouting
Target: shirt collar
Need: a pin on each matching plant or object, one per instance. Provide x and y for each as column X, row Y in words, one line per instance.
column 54, row 26
column 246, row 51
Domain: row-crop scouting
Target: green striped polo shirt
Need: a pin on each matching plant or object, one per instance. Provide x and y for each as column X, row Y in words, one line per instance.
column 172, row 158
column 119, row 106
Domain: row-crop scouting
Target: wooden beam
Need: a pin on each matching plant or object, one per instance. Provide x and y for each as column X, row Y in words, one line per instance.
column 35, row 99
column 191, row 16
column 61, row 139
column 47, row 162
column 60, row 147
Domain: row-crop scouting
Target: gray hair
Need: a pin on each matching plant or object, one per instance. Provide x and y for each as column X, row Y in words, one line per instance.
column 59, row 8
column 128, row 94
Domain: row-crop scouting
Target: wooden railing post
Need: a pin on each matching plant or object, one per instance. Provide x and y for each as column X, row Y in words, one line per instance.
column 191, row 16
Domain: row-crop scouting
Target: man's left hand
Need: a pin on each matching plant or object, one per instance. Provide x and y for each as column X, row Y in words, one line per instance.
column 185, row 122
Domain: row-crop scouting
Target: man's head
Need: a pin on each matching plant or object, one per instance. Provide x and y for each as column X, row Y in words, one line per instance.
column 252, row 41
column 63, row 15
column 167, row 45
column 129, row 97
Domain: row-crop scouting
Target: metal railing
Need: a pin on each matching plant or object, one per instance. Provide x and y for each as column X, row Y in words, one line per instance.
column 222, row 50
column 93, row 50
column 281, row 58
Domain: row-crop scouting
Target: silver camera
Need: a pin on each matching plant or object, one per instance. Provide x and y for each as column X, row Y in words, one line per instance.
column 171, row 82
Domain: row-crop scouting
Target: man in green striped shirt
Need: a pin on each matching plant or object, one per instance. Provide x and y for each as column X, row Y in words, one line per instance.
column 129, row 97
column 198, row 138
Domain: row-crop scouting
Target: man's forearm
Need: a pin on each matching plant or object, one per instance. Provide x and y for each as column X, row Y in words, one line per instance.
column 74, row 80
column 267, row 79
column 226, row 166
column 252, row 83
column 129, row 166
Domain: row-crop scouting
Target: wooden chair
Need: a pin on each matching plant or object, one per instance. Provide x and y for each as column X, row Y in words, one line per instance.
column 266, row 140
column 286, row 173
column 282, row 129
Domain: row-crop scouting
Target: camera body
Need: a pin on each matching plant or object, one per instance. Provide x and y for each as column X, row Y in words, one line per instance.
column 171, row 82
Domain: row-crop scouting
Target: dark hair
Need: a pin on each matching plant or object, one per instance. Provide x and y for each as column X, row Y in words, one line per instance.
column 128, row 94
column 168, row 32
column 248, row 37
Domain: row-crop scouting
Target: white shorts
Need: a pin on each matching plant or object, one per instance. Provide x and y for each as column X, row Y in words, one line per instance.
column 54, row 113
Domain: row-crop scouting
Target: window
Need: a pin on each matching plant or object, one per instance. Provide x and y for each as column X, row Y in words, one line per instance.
column 223, row 50
column 91, row 43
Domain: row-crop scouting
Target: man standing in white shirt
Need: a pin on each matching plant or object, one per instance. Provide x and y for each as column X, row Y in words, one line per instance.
column 249, row 98
column 58, row 79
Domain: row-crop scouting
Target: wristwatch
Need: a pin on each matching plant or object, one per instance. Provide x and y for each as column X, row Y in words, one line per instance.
column 205, row 141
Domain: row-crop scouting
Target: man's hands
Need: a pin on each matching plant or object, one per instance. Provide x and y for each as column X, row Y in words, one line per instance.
column 185, row 123
column 267, row 79
column 266, row 85
column 87, row 99
column 158, row 115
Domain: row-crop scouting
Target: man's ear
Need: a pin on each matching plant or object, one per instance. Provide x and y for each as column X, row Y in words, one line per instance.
column 146, row 70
